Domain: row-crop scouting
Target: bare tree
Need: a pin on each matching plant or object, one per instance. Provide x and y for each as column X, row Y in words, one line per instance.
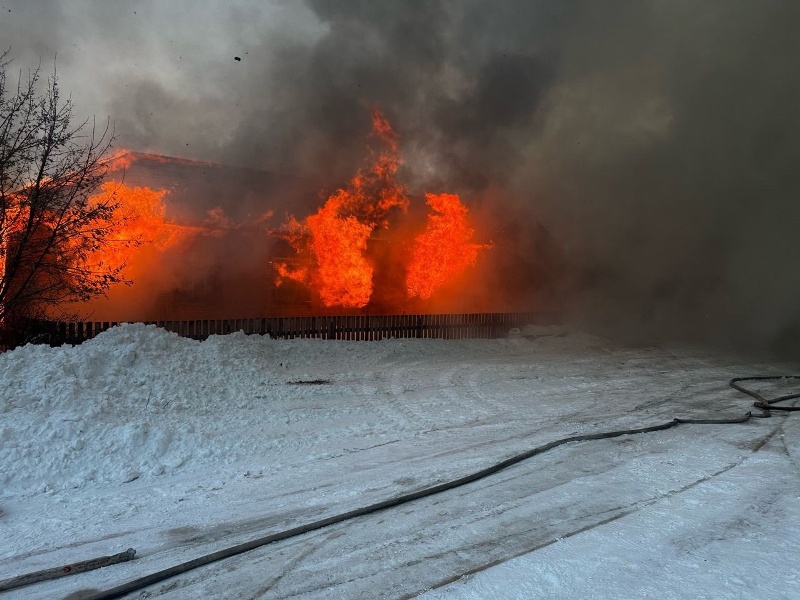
column 53, row 223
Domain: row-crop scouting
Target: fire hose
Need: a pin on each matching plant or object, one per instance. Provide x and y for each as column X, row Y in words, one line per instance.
column 70, row 569
column 765, row 405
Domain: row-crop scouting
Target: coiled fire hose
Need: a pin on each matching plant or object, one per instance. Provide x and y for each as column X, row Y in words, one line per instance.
column 765, row 405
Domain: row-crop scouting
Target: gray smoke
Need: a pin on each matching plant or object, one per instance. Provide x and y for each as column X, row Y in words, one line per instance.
column 657, row 142
column 668, row 155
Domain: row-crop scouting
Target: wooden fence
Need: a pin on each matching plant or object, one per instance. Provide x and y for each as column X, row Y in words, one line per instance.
column 356, row 327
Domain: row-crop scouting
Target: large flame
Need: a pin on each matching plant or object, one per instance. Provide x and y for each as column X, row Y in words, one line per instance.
column 444, row 249
column 335, row 238
column 339, row 245
column 182, row 256
column 140, row 220
column 120, row 160
column 145, row 243
column 332, row 245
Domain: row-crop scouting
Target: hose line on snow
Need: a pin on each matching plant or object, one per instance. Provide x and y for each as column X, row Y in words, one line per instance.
column 136, row 584
column 70, row 569
column 761, row 402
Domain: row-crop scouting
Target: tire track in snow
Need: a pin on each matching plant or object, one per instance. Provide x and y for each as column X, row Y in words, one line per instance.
column 458, row 533
column 624, row 511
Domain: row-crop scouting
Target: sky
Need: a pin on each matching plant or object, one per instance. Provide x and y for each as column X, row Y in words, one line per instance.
column 656, row 141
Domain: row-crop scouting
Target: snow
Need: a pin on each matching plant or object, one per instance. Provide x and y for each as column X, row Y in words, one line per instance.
column 177, row 448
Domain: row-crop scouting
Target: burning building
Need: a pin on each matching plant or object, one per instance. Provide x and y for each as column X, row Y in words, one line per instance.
column 196, row 259
column 219, row 241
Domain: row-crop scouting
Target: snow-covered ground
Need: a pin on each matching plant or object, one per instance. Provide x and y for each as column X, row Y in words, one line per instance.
column 177, row 448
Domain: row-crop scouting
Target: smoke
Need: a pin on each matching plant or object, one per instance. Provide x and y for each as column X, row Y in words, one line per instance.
column 655, row 143
column 668, row 157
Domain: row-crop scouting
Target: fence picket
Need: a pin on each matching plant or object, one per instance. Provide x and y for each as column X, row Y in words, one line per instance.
column 337, row 327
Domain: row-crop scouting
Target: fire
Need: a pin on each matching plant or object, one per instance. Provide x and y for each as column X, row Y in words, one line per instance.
column 171, row 262
column 335, row 238
column 444, row 250
column 120, row 160
column 13, row 218
column 298, row 274
column 339, row 245
column 124, row 158
column 332, row 245
column 140, row 221
column 338, row 253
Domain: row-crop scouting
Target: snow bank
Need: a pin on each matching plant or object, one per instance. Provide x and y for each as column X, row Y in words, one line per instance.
column 139, row 402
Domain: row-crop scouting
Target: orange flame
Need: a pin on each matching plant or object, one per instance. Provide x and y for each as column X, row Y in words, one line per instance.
column 298, row 274
column 335, row 238
column 339, row 244
column 13, row 218
column 124, row 158
column 333, row 242
column 140, row 220
column 444, row 249
column 120, row 160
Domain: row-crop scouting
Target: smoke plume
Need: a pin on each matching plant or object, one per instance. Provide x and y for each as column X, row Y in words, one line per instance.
column 655, row 144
